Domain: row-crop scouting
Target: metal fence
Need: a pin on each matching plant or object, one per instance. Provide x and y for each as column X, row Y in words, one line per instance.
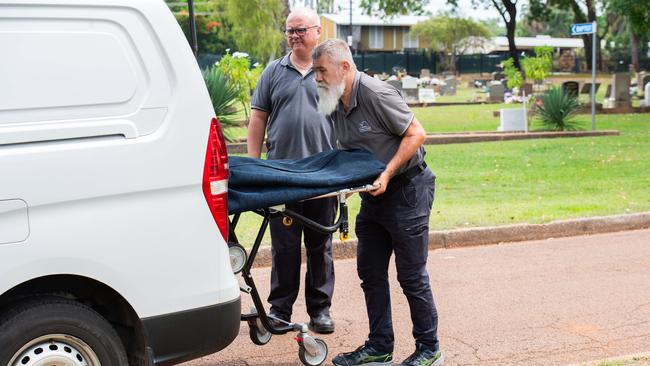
column 413, row 62
column 479, row 63
column 379, row 62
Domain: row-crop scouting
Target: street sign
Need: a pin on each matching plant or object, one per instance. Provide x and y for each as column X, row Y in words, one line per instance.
column 582, row 28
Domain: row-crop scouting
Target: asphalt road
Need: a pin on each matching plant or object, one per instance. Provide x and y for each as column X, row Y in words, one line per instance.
column 550, row 302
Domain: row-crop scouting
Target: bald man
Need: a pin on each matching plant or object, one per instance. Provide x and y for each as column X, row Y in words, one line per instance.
column 285, row 109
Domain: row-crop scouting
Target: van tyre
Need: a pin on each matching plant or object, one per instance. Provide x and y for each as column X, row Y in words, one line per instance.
column 58, row 330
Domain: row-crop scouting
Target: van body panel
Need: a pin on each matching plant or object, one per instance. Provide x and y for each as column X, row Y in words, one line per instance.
column 98, row 65
column 103, row 134
column 14, row 221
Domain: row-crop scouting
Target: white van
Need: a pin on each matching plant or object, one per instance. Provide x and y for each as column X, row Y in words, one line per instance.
column 113, row 180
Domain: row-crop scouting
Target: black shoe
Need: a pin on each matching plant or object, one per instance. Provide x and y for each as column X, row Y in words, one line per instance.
column 423, row 356
column 322, row 324
column 278, row 321
column 364, row 355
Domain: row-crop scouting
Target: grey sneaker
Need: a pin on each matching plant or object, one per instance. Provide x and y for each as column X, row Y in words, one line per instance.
column 364, row 355
column 423, row 356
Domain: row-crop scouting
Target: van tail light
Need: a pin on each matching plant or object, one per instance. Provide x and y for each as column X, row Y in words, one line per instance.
column 215, row 177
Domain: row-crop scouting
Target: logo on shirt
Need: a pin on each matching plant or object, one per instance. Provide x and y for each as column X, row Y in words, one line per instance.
column 364, row 127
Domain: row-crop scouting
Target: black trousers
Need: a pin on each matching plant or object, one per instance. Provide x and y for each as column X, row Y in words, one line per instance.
column 397, row 221
column 286, row 259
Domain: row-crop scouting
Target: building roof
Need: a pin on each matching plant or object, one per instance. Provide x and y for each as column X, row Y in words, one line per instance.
column 358, row 19
column 531, row 42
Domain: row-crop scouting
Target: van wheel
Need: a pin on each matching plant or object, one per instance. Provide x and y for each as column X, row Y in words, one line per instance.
column 57, row 331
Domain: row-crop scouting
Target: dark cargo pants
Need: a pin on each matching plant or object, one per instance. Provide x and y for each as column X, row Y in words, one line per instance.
column 397, row 221
column 286, row 259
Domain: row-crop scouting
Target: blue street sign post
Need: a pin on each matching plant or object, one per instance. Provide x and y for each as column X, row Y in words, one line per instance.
column 578, row 30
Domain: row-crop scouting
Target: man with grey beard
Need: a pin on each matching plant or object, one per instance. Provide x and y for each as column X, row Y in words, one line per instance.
column 284, row 107
column 372, row 115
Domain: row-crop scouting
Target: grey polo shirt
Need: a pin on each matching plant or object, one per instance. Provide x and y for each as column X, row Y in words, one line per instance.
column 295, row 129
column 376, row 120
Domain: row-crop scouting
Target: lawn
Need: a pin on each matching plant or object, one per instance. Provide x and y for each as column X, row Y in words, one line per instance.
column 527, row 181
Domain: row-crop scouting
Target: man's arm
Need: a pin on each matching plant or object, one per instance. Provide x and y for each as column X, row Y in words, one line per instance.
column 256, row 132
column 412, row 139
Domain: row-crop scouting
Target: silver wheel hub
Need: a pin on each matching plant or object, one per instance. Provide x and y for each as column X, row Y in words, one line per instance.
column 55, row 350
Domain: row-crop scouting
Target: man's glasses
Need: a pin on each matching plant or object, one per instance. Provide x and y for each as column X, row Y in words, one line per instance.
column 298, row 31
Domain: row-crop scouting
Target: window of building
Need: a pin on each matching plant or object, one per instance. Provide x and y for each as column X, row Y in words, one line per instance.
column 376, row 37
column 409, row 40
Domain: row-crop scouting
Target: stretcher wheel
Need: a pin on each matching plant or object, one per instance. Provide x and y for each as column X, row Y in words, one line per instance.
column 287, row 221
column 344, row 236
column 259, row 335
column 315, row 359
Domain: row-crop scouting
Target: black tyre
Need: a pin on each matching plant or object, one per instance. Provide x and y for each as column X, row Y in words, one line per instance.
column 58, row 330
column 316, row 359
column 259, row 335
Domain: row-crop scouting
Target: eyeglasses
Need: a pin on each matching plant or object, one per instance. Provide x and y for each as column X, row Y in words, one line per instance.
column 298, row 31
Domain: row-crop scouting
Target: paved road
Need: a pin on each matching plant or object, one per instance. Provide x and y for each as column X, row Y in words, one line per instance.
column 551, row 302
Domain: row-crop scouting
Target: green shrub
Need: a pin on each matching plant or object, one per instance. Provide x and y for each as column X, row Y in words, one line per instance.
column 223, row 94
column 237, row 67
column 515, row 79
column 537, row 68
column 556, row 111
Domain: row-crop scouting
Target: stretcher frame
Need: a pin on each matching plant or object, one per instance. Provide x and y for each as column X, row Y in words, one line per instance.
column 312, row 351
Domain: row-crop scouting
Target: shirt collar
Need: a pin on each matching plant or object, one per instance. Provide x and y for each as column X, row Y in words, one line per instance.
column 286, row 62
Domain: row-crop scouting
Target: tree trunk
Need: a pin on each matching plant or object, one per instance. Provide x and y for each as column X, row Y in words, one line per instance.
column 586, row 40
column 580, row 17
column 634, row 50
column 591, row 17
column 510, row 29
column 510, row 8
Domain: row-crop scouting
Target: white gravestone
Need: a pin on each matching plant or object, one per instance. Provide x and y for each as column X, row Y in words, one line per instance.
column 513, row 120
column 426, row 95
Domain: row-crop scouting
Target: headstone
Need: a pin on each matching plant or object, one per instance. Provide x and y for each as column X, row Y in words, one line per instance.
column 646, row 81
column 586, row 88
column 646, row 94
column 526, row 88
column 496, row 93
column 571, row 87
column 621, row 89
column 410, row 89
column 426, row 95
column 449, row 87
column 498, row 75
column 513, row 119
column 409, row 83
column 425, row 74
column 608, row 92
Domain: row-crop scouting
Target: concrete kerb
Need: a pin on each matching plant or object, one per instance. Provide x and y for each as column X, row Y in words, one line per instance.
column 501, row 234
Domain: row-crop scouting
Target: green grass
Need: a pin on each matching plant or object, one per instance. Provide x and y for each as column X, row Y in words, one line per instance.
column 537, row 181
column 462, row 118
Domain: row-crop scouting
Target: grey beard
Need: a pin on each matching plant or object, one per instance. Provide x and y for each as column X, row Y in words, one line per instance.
column 328, row 98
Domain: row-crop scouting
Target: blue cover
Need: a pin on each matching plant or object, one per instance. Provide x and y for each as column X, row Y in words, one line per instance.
column 257, row 183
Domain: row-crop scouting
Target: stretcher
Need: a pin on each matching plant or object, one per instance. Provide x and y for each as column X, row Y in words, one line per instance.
column 311, row 351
